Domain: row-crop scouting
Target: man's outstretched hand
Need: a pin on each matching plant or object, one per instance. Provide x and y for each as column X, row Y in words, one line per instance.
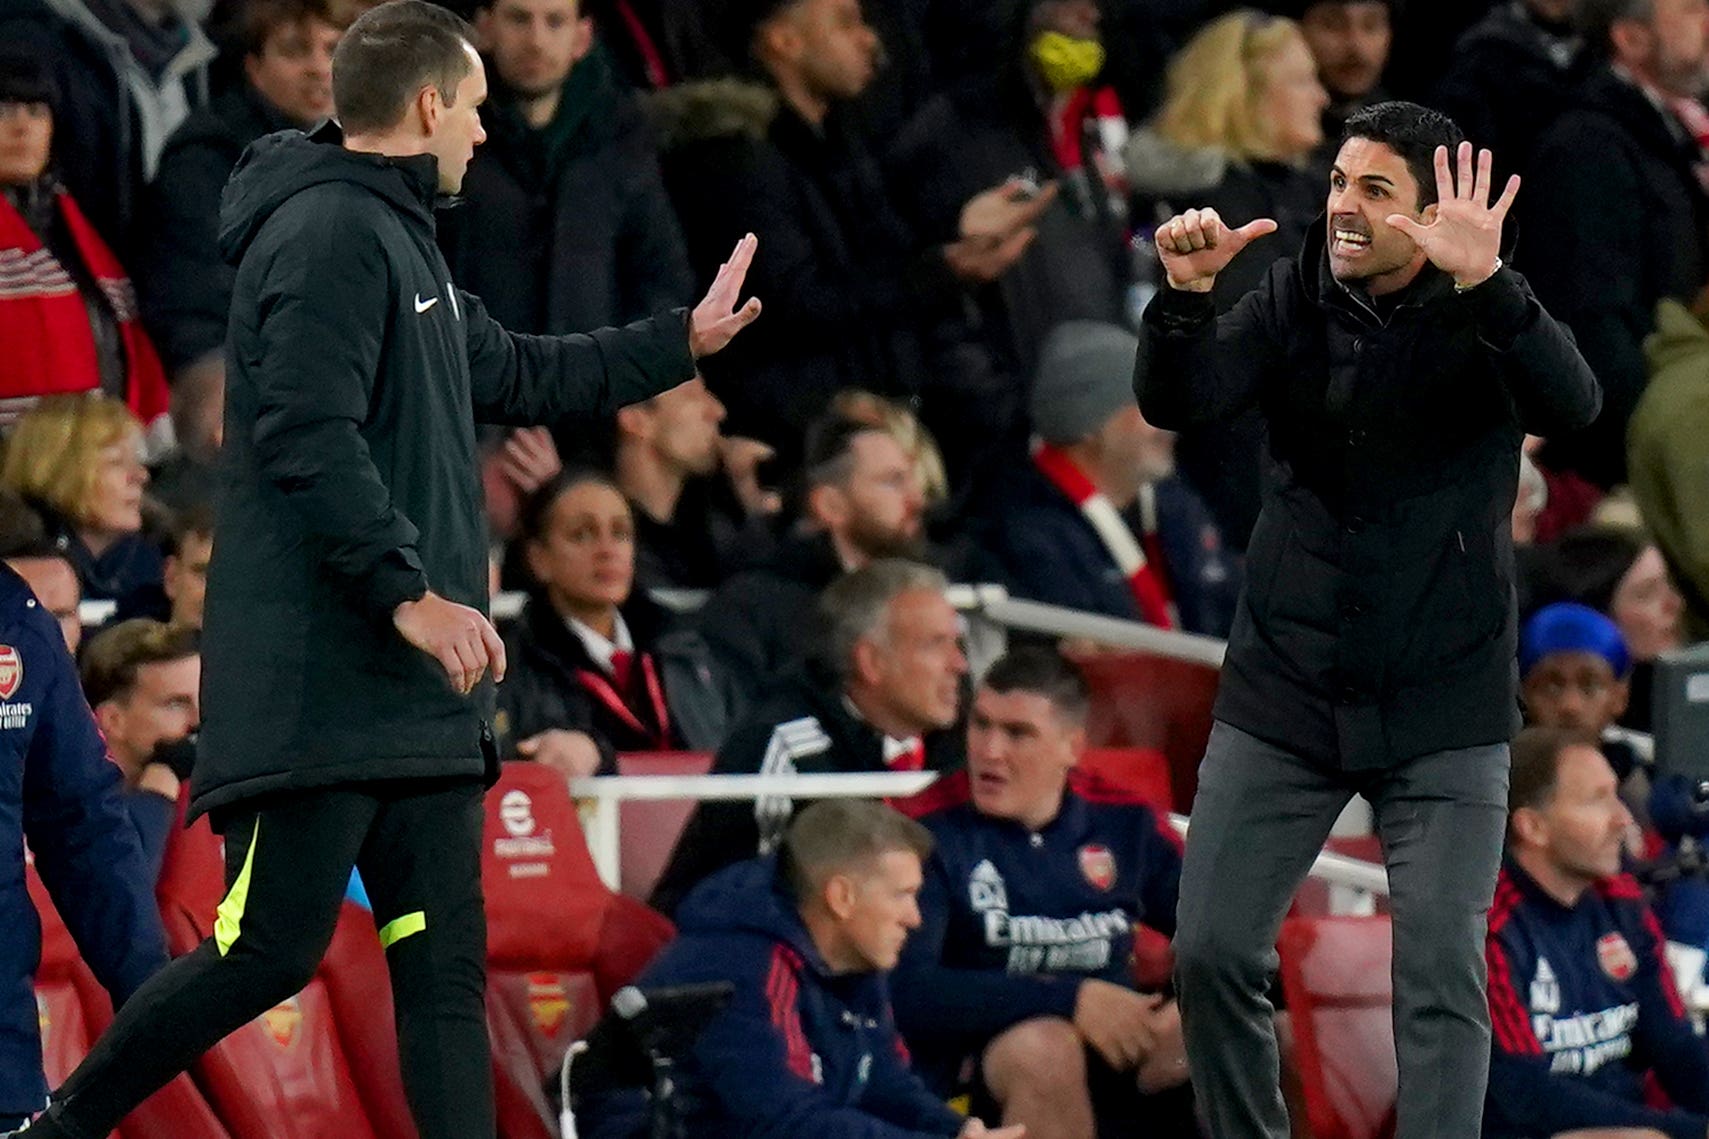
column 1195, row 246
column 716, row 319
column 1464, row 239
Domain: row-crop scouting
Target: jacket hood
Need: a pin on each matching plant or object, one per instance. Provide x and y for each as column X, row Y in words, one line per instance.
column 748, row 898
column 716, row 108
column 279, row 166
column 1159, row 168
column 1678, row 337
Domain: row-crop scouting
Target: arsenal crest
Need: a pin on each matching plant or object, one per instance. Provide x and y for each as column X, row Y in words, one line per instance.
column 11, row 672
column 1616, row 957
column 548, row 1002
column 1098, row 865
column 282, row 1021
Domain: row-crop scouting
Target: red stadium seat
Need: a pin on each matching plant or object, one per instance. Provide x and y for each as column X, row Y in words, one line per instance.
column 74, row 1010
column 559, row 942
column 649, row 830
column 1141, row 773
column 1335, row 978
column 1141, row 700
column 287, row 1074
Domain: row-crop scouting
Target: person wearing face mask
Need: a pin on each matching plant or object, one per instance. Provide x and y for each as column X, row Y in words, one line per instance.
column 68, row 314
column 1398, row 365
column 185, row 285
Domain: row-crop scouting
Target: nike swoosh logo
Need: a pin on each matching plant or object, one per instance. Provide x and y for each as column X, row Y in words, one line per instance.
column 424, row 305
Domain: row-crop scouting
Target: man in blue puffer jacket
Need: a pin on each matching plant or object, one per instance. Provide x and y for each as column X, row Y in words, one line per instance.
column 807, row 1045
column 58, row 790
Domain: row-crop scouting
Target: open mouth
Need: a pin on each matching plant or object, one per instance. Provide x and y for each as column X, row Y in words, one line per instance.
column 1348, row 242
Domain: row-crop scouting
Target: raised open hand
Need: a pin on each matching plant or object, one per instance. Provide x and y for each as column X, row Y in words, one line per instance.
column 1464, row 240
column 716, row 319
column 1195, row 246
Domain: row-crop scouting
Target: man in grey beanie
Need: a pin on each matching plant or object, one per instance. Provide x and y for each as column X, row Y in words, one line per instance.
column 1098, row 520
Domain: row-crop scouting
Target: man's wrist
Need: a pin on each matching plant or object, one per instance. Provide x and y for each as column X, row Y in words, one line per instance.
column 1197, row 285
column 1461, row 285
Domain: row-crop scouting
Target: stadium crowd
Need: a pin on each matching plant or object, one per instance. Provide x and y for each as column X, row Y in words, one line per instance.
column 955, row 202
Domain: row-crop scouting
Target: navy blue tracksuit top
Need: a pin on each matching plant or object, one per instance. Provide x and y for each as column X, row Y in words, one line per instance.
column 1582, row 1008
column 59, row 791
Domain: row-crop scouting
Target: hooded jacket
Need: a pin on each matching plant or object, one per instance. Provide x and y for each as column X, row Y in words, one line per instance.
column 355, row 374
column 800, row 1050
column 1377, row 623
column 1668, row 450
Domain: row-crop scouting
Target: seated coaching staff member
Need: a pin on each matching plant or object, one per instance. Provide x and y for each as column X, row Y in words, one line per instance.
column 350, row 575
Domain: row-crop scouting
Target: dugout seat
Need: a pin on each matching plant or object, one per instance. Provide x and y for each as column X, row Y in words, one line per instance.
column 559, row 942
column 73, row 1010
column 1335, row 979
column 1146, row 701
column 289, row 1073
column 649, row 830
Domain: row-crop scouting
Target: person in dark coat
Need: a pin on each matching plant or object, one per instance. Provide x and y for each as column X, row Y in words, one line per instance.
column 880, row 693
column 866, row 301
column 808, row 1042
column 594, row 666
column 564, row 224
column 59, row 793
column 1625, row 141
column 863, row 501
column 1398, row 365
column 183, row 282
column 350, row 577
column 1098, row 520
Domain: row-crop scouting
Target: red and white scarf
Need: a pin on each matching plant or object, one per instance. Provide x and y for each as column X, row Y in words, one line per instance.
column 48, row 346
column 1150, row 592
column 1088, row 135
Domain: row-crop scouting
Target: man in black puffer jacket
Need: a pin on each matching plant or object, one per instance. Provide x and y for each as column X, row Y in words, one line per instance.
column 1398, row 366
column 349, row 579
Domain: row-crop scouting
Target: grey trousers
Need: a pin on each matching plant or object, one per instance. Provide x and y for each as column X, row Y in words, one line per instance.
column 1260, row 817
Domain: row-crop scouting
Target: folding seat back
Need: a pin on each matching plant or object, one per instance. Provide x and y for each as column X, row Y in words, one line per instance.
column 1336, row 980
column 1139, row 773
column 1143, row 700
column 286, row 1074
column 649, row 830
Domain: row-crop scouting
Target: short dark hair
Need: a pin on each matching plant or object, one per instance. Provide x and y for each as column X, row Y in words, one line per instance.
column 828, row 459
column 835, row 836
column 21, row 525
column 25, row 78
column 536, row 509
column 255, row 21
column 113, row 657
column 1042, row 672
column 389, row 54
column 194, row 521
column 1411, row 131
column 1536, row 765
column 1595, row 20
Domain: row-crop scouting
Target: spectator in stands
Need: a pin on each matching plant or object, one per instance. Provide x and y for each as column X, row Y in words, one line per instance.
column 59, row 794
column 1666, row 450
column 143, row 679
column 808, row 1044
column 1373, row 650
column 880, row 694
column 1350, row 40
column 53, row 579
column 692, row 528
column 863, row 501
column 1099, row 521
column 1047, row 110
column 68, row 320
column 78, row 460
column 128, row 72
column 178, row 597
column 910, row 434
column 1624, row 576
column 565, row 225
column 1237, row 132
column 1061, row 1039
column 1637, row 118
column 1510, row 77
column 859, row 300
column 1581, row 1000
column 186, row 285
column 655, row 43
column 595, row 667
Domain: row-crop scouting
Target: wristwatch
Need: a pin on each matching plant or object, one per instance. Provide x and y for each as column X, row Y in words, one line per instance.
column 1459, row 288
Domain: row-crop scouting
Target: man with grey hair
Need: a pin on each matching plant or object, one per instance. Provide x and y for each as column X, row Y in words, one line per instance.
column 877, row 694
column 1099, row 520
column 1635, row 142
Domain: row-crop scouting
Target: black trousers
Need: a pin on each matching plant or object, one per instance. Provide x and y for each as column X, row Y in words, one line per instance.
column 288, row 860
